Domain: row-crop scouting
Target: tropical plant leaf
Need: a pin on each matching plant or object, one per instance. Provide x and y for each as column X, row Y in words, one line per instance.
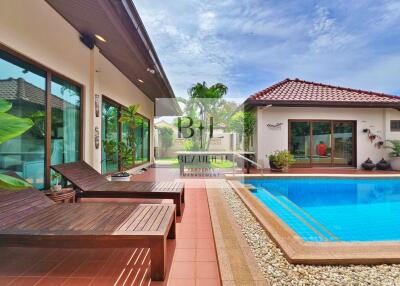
column 12, row 126
column 12, row 183
column 5, row 105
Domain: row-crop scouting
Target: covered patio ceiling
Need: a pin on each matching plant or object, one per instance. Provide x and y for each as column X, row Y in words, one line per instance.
column 127, row 45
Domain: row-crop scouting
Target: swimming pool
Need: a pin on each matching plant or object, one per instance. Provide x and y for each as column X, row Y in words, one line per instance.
column 334, row 209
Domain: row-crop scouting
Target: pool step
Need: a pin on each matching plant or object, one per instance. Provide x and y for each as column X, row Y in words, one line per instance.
column 300, row 219
column 250, row 187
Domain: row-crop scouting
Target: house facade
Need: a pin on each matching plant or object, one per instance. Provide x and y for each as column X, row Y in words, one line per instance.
column 72, row 67
column 323, row 125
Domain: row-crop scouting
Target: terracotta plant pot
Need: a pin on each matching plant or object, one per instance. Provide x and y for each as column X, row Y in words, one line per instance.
column 395, row 163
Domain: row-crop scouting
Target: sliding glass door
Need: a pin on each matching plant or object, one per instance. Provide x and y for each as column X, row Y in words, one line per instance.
column 28, row 146
column 300, row 140
column 343, row 143
column 146, row 140
column 322, row 142
column 109, row 137
column 114, row 132
column 321, row 150
column 23, row 90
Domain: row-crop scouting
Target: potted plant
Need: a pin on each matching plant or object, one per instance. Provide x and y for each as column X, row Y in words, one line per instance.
column 281, row 160
column 125, row 153
column 127, row 150
column 272, row 159
column 395, row 154
column 57, row 187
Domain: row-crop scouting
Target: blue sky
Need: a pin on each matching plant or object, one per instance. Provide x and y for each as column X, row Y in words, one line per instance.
column 250, row 44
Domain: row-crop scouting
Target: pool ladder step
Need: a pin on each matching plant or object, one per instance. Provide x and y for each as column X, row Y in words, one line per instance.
column 250, row 187
column 302, row 216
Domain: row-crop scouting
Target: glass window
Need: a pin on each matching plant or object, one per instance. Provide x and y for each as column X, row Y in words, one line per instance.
column 110, row 137
column 394, row 125
column 23, row 86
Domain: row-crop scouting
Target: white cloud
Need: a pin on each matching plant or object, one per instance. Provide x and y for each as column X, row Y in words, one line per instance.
column 207, row 21
column 325, row 33
column 250, row 44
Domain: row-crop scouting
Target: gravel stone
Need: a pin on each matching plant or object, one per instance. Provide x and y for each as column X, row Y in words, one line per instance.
column 278, row 271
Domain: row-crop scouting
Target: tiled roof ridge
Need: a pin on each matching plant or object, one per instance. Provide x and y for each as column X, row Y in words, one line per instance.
column 271, row 88
column 360, row 91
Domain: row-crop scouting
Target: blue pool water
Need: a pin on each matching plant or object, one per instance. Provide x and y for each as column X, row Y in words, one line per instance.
column 331, row 209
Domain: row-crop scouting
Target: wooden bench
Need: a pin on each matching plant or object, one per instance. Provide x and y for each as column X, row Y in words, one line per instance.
column 29, row 219
column 92, row 184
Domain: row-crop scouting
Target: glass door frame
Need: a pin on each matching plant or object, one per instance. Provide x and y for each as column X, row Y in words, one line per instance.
column 50, row 73
column 120, row 107
column 332, row 123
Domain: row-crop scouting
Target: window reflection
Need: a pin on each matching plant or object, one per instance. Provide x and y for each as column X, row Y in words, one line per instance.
column 110, row 137
column 24, row 86
column 65, row 121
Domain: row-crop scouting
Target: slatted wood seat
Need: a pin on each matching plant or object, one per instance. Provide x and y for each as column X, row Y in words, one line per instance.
column 92, row 184
column 29, row 218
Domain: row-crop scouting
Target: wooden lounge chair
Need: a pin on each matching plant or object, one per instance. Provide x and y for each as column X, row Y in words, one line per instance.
column 28, row 218
column 92, row 184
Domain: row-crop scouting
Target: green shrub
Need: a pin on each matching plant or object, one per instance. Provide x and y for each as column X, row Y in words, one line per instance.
column 282, row 159
column 395, row 147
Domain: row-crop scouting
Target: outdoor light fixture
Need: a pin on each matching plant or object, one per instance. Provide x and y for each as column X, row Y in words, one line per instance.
column 266, row 107
column 151, row 71
column 100, row 38
column 141, row 81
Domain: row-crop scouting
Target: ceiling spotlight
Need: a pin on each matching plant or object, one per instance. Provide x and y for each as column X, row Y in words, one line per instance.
column 141, row 81
column 100, row 38
column 151, row 71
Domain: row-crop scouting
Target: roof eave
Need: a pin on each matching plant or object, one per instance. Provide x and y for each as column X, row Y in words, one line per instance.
column 258, row 102
column 130, row 7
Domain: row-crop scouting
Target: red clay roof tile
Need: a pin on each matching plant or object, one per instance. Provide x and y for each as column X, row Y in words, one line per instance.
column 300, row 91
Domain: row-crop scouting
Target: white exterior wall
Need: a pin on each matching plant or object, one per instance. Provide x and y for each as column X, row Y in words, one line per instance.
column 377, row 120
column 25, row 28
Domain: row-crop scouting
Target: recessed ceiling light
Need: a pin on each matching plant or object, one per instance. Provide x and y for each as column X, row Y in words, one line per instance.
column 139, row 80
column 100, row 38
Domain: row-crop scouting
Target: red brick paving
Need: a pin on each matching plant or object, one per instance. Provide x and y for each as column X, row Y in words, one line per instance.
column 194, row 261
column 191, row 257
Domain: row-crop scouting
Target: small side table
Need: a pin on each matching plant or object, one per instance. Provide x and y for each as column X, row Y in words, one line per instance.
column 66, row 195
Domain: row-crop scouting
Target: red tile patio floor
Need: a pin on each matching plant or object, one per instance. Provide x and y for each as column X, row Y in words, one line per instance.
column 192, row 256
column 194, row 261
column 191, row 260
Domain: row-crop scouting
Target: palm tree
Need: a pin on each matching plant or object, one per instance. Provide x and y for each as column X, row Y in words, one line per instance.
column 206, row 99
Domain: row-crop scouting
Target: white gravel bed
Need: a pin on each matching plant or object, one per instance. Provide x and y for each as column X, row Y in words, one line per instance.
column 279, row 272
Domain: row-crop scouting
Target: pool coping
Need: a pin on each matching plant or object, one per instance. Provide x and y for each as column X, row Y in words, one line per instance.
column 298, row 251
column 292, row 175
